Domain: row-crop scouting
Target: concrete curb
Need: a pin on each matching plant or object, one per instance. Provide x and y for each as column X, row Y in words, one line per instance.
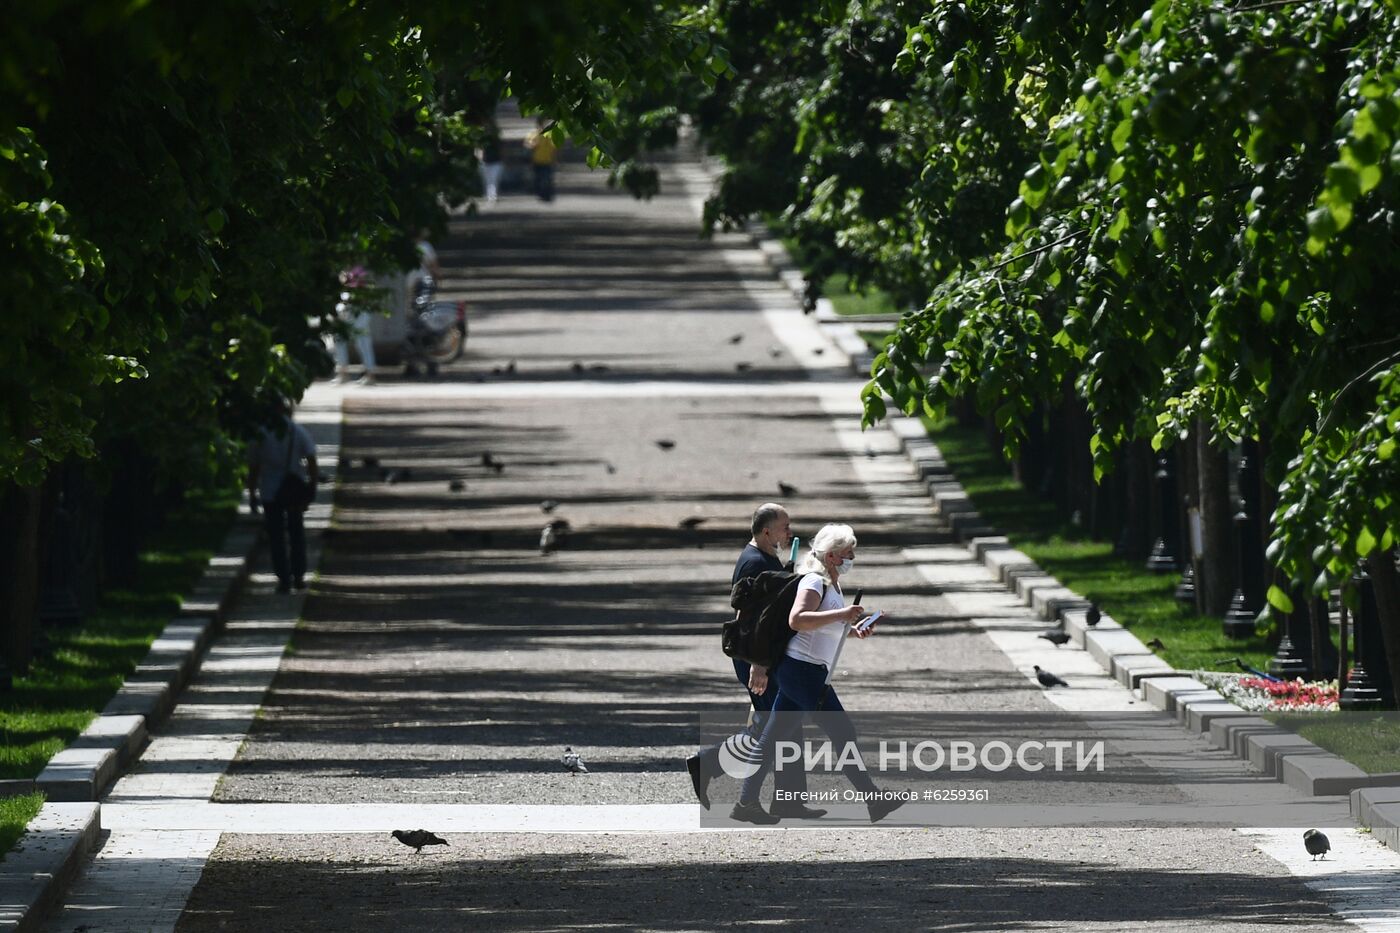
column 36, row 875
column 84, row 769
column 44, row 862
column 1289, row 758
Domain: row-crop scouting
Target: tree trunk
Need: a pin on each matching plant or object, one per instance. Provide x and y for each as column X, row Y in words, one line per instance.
column 19, row 573
column 1216, row 581
column 1386, row 585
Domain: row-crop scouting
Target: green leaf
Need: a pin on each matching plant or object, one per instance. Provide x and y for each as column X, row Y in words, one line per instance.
column 1386, row 450
column 1122, row 133
column 1365, row 542
column 1279, row 599
column 345, row 97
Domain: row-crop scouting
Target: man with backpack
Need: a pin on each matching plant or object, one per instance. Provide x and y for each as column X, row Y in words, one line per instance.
column 772, row 532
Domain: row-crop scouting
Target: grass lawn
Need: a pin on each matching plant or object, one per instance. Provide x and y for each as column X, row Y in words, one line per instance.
column 846, row 302
column 86, row 664
column 1141, row 601
column 1371, row 742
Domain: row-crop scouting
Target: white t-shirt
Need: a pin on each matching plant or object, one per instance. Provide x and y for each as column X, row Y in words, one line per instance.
column 819, row 645
column 276, row 454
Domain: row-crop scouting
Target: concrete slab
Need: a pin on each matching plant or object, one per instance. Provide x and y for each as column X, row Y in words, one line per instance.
column 1229, row 732
column 1129, row 669
column 1197, row 713
column 44, row 862
column 1000, row 560
column 1265, row 749
column 1161, row 692
column 125, row 735
column 1321, row 775
column 77, row 774
column 1103, row 644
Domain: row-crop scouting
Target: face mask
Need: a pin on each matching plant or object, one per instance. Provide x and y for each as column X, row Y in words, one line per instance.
column 845, row 566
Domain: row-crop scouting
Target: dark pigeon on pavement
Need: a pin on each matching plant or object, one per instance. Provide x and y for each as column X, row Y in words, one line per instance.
column 1056, row 637
column 549, row 505
column 1316, row 843
column 1092, row 617
column 787, row 489
column 456, row 485
column 1048, row 679
column 693, row 522
column 743, row 367
column 416, row 839
column 666, row 444
column 737, row 338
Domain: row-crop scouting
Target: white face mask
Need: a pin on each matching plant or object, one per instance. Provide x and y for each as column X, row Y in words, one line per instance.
column 845, row 566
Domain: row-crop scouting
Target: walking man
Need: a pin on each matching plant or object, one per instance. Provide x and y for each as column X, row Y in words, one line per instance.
column 772, row 533
column 282, row 476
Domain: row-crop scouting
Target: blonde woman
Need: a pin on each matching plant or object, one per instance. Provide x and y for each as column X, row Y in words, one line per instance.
column 820, row 618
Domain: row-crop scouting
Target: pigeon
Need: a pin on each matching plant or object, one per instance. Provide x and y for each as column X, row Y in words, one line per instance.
column 1056, row 637
column 818, row 351
column 1048, row 679
column 869, row 452
column 456, row 485
column 1156, row 645
column 416, row 839
column 666, row 444
column 549, row 539
column 737, row 339
column 573, row 762
column 743, row 367
column 560, row 525
column 1316, row 843
column 599, row 368
column 576, row 366
column 786, row 489
column 692, row 523
column 610, row 468
column 371, row 463
column 549, row 505
column 775, row 352
column 510, row 368
column 1092, row 616
column 491, row 463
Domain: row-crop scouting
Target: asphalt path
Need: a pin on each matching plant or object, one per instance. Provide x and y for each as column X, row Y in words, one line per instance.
column 443, row 660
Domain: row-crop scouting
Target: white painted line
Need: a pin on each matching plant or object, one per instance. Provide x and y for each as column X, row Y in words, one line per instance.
column 313, row 819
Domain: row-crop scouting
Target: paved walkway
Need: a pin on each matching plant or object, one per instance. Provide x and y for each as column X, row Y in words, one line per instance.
column 443, row 663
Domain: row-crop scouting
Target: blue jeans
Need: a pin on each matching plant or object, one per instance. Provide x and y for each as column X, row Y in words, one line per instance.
column 802, row 688
column 789, row 779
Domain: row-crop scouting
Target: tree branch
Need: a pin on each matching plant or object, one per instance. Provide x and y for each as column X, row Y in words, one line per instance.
column 1336, row 401
column 1039, row 249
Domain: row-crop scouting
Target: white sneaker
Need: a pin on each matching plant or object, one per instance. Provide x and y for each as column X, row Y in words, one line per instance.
column 366, row 380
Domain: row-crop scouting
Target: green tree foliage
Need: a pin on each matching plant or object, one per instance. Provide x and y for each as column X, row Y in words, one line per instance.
column 181, row 183
column 1184, row 212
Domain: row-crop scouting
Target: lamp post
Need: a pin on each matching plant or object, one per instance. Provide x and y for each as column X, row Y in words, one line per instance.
column 1294, row 655
column 1164, row 549
column 1244, row 604
column 1368, row 685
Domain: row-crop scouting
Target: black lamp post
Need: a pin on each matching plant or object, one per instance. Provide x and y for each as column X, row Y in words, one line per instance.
column 1368, row 686
column 1294, row 655
column 1244, row 604
column 1164, row 549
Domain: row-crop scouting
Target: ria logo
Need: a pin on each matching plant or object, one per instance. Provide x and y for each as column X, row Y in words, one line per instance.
column 740, row 756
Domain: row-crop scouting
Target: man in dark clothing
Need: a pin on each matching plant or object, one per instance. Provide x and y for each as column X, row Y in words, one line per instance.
column 772, row 532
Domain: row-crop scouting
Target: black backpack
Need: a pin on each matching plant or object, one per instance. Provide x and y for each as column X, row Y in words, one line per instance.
column 760, row 632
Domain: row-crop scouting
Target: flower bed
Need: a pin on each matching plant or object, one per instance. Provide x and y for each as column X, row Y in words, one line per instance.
column 1258, row 695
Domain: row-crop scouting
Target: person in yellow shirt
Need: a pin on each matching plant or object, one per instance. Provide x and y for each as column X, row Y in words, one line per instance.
column 543, row 154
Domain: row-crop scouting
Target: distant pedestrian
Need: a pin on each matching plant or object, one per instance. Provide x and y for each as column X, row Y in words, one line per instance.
column 282, row 478
column 489, row 155
column 821, row 619
column 353, row 310
column 421, row 284
column 543, row 154
column 771, row 530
